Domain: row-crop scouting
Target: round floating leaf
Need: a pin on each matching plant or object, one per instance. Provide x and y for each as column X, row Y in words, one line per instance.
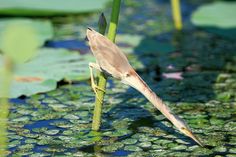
column 31, row 87
column 19, row 42
column 44, row 70
column 49, row 7
column 56, row 64
column 43, row 28
column 218, row 14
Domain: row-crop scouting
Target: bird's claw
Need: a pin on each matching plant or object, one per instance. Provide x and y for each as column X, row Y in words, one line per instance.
column 95, row 88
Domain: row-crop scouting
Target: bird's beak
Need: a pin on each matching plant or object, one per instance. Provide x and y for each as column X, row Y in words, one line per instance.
column 191, row 135
column 86, row 38
column 89, row 34
column 89, row 28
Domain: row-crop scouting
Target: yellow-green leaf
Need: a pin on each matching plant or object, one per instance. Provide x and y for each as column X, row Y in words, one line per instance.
column 19, row 41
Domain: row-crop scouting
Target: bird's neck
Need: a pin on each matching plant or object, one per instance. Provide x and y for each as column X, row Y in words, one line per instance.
column 137, row 82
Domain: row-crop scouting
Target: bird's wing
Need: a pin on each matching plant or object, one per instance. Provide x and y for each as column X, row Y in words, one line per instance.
column 114, row 56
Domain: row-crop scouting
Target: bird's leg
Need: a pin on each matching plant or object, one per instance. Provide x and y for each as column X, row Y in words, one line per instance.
column 94, row 86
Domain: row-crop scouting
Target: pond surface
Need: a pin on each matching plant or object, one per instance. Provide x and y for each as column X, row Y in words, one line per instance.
column 193, row 71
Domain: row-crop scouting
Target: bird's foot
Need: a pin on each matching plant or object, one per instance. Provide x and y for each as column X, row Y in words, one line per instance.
column 94, row 86
column 95, row 89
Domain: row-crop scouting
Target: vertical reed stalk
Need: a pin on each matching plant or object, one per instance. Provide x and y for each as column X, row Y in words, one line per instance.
column 176, row 13
column 102, row 79
column 114, row 20
column 97, row 113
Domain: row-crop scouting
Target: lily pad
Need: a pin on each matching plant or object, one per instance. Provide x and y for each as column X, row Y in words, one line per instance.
column 49, row 7
column 218, row 14
column 44, row 70
column 218, row 18
column 14, row 47
column 43, row 28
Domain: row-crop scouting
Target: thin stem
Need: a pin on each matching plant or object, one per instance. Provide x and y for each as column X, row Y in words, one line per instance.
column 4, row 105
column 176, row 13
column 4, row 109
column 101, row 77
column 97, row 113
column 114, row 20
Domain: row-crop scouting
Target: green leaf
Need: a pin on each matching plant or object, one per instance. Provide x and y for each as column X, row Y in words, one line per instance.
column 44, row 70
column 19, row 42
column 30, row 88
column 43, row 28
column 49, row 7
column 57, row 64
column 218, row 14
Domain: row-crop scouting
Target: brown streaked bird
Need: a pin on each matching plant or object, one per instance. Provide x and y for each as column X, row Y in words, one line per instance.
column 111, row 60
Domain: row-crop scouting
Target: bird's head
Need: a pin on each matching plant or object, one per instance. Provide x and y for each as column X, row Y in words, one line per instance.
column 179, row 123
column 90, row 33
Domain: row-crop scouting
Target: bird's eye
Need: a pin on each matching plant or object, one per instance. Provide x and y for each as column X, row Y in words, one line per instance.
column 182, row 128
column 127, row 75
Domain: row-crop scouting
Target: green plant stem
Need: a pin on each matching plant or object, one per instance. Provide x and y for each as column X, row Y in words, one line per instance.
column 4, row 105
column 176, row 13
column 97, row 113
column 114, row 20
column 101, row 77
column 4, row 109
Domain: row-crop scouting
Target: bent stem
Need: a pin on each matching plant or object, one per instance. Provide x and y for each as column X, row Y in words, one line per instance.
column 176, row 13
column 101, row 77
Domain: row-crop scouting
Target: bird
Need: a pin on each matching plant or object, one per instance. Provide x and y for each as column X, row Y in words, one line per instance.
column 112, row 61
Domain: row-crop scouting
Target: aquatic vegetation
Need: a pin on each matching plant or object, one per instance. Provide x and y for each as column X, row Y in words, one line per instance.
column 58, row 122
column 17, row 50
column 65, row 134
column 176, row 13
column 217, row 17
column 45, row 69
column 214, row 15
column 101, row 82
column 49, row 7
column 11, row 57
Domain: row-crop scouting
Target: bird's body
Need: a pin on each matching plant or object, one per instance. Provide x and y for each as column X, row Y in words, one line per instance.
column 116, row 63
column 110, row 59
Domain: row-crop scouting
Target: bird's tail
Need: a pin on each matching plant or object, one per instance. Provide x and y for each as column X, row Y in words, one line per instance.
column 135, row 81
